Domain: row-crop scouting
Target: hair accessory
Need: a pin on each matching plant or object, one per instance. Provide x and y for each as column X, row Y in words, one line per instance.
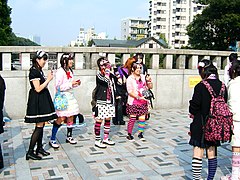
column 41, row 53
column 215, row 64
column 104, row 62
column 201, row 64
column 68, row 56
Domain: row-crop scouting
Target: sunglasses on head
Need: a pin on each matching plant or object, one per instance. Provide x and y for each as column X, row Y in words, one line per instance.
column 104, row 62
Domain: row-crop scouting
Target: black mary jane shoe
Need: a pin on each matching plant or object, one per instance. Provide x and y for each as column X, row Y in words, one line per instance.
column 42, row 152
column 122, row 123
column 32, row 156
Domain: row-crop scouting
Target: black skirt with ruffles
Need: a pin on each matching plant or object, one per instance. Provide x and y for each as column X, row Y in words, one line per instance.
column 40, row 107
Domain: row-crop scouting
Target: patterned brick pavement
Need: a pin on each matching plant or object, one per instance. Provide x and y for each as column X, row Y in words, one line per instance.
column 164, row 155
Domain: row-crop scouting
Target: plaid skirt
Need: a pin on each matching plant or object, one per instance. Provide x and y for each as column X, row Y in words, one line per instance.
column 137, row 110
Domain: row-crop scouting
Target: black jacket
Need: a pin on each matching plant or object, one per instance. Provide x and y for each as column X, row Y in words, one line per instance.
column 102, row 86
column 2, row 92
column 2, row 96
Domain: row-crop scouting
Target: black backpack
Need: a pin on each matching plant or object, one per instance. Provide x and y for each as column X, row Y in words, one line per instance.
column 94, row 99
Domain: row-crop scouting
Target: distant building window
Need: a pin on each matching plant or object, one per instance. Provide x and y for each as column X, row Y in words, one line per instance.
column 150, row 45
column 183, row 9
column 183, row 18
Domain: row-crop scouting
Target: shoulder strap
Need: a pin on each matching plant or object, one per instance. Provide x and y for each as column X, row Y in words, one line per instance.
column 124, row 73
column 209, row 88
column 221, row 93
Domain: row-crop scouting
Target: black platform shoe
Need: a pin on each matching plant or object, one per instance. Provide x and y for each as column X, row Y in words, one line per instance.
column 122, row 123
column 33, row 156
column 42, row 152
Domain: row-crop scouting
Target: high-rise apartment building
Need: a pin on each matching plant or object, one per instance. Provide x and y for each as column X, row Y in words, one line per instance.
column 85, row 36
column 134, row 28
column 169, row 18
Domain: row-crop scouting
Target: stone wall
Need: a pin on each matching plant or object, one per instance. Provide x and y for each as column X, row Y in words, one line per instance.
column 171, row 82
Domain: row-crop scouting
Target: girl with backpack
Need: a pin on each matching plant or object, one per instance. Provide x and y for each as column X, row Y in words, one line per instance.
column 233, row 103
column 199, row 109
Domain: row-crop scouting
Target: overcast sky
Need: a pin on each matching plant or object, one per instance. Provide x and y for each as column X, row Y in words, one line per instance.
column 57, row 22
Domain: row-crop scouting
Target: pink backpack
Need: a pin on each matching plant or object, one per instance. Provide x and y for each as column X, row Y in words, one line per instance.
column 219, row 124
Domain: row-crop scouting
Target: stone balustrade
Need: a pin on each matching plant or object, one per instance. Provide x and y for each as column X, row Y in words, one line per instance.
column 171, row 71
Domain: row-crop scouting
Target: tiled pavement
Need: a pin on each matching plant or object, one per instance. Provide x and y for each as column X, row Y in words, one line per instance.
column 165, row 155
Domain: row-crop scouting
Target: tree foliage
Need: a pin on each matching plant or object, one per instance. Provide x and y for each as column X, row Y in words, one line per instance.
column 217, row 27
column 5, row 22
column 20, row 41
column 7, row 37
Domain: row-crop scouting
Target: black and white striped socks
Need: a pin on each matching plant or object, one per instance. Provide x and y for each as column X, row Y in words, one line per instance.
column 196, row 168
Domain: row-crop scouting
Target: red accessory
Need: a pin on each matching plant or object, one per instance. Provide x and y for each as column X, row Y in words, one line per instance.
column 68, row 75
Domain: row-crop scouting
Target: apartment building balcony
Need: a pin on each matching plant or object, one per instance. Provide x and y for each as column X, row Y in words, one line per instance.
column 177, row 37
column 178, row 29
column 177, row 46
column 178, row 13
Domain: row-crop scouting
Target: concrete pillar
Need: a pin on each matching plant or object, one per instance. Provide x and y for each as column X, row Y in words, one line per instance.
column 144, row 59
column 180, row 63
column 79, row 61
column 206, row 57
column 87, row 60
column 168, row 61
column 25, row 61
column 111, row 58
column 59, row 55
column 193, row 62
column 225, row 61
column 155, row 61
column 125, row 58
column 6, row 61
column 218, row 61
column 93, row 60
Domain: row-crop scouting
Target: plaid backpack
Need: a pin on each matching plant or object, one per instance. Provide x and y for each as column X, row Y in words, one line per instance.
column 219, row 124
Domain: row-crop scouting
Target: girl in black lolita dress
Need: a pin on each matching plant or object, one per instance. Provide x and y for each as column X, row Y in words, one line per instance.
column 40, row 107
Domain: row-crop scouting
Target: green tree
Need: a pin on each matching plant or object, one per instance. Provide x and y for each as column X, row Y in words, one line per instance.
column 5, row 22
column 7, row 37
column 162, row 36
column 217, row 27
column 129, row 38
column 90, row 43
column 20, row 41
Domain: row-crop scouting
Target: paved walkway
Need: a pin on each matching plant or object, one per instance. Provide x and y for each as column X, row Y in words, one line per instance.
column 165, row 155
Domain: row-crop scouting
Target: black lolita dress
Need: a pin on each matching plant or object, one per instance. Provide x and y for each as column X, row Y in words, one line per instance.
column 40, row 107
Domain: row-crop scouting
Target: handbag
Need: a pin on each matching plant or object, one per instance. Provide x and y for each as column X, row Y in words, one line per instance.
column 60, row 101
column 147, row 94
